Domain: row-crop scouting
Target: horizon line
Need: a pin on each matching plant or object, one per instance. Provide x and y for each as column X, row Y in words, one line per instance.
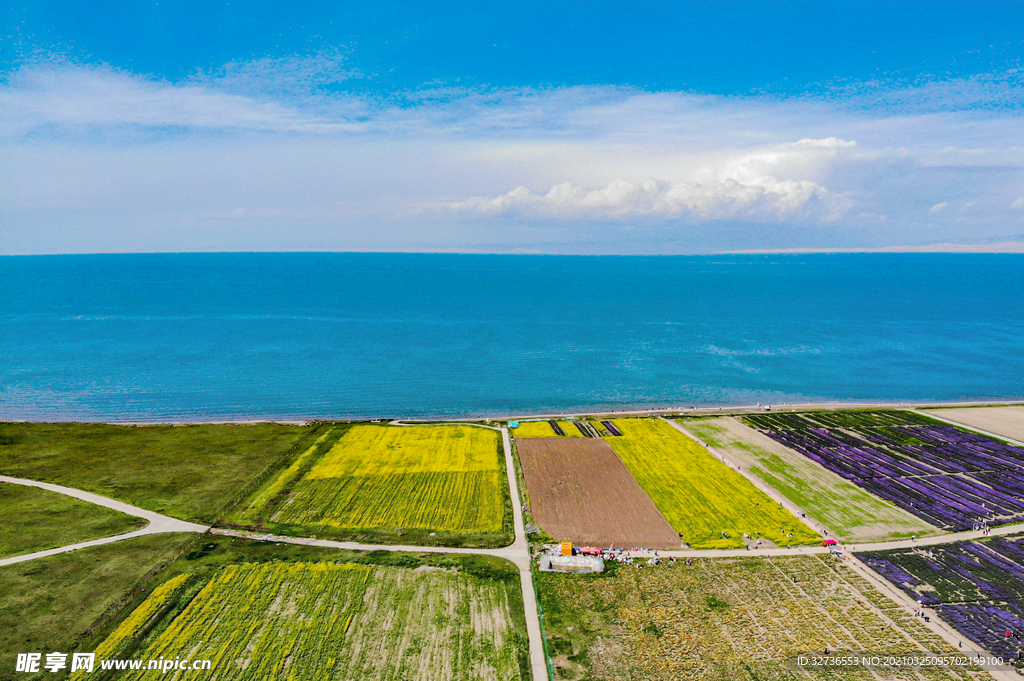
column 1007, row 247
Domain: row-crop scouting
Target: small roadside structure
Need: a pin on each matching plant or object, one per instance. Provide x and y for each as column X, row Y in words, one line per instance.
column 577, row 564
column 829, row 542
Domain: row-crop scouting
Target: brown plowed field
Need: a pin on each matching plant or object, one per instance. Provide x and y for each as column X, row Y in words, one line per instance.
column 581, row 492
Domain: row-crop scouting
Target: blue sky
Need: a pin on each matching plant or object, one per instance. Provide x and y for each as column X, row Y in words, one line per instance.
column 563, row 127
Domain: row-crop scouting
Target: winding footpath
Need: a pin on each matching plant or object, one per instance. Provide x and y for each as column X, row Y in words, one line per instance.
column 156, row 523
column 519, row 551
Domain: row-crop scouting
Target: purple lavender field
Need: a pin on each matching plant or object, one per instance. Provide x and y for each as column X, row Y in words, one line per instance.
column 951, row 478
column 976, row 587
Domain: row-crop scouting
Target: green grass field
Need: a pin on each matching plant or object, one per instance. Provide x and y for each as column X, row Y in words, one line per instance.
column 727, row 620
column 189, row 472
column 260, row 611
column 33, row 519
column 847, row 510
column 393, row 484
column 64, row 602
column 701, row 497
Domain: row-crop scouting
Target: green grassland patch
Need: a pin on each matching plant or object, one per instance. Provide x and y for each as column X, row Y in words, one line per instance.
column 847, row 510
column 194, row 472
column 33, row 519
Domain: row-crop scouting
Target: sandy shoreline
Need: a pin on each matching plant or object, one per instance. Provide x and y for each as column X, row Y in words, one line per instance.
column 683, row 410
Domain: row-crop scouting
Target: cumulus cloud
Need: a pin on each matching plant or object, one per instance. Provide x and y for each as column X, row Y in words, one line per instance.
column 743, row 189
column 764, row 198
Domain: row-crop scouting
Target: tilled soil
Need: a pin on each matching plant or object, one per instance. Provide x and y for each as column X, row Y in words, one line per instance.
column 581, row 492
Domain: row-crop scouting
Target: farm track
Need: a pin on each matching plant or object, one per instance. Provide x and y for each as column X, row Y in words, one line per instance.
column 156, row 523
column 518, row 552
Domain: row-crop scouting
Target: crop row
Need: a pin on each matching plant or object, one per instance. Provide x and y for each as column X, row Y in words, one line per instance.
column 851, row 512
column 721, row 619
column 947, row 476
column 545, row 429
column 835, row 419
column 429, row 625
column 315, row 621
column 708, row 503
column 272, row 620
column 432, row 477
column 373, row 450
column 130, row 628
column 470, row 502
column 977, row 586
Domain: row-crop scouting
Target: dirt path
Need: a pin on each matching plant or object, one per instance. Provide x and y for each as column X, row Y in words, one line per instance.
column 157, row 523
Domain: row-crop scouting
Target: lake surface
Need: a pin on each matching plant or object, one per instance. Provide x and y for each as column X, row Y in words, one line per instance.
column 305, row 335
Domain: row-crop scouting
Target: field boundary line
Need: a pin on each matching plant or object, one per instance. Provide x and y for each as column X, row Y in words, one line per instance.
column 996, row 436
column 760, row 484
column 949, row 538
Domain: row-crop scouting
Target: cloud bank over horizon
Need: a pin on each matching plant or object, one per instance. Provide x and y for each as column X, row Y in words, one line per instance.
column 744, row 189
column 275, row 154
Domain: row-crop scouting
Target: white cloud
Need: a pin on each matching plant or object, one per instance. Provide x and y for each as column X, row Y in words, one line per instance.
column 279, row 146
column 938, row 208
column 742, row 188
column 85, row 100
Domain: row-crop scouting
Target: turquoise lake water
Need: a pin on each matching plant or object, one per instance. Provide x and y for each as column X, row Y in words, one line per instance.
column 304, row 335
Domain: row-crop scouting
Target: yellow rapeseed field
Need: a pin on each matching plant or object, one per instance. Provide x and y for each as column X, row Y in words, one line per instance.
column 326, row 621
column 372, row 450
column 700, row 496
column 543, row 429
column 436, row 477
column 134, row 623
column 266, row 621
column 533, row 429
